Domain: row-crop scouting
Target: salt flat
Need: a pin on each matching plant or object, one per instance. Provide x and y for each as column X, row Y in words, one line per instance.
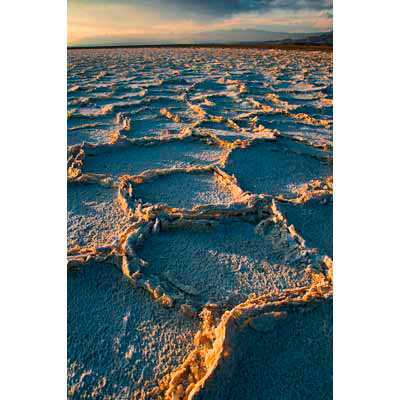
column 199, row 224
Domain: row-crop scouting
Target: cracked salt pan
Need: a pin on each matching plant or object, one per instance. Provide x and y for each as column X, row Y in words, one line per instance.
column 120, row 342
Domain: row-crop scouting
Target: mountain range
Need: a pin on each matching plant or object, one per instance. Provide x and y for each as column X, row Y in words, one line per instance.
column 228, row 36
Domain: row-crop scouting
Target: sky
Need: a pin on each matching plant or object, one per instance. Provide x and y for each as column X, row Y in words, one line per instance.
column 108, row 21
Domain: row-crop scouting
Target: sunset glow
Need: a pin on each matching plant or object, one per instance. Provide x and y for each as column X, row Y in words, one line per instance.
column 98, row 21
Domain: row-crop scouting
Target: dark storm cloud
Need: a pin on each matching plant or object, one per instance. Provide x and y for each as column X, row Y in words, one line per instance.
column 225, row 8
column 218, row 8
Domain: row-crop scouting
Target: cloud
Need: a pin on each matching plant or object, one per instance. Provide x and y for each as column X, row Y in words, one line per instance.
column 217, row 9
column 90, row 18
column 227, row 8
column 329, row 14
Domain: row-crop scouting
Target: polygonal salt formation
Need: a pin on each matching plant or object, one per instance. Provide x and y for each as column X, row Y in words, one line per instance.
column 94, row 215
column 183, row 189
column 313, row 220
column 153, row 127
column 220, row 104
column 91, row 133
column 273, row 167
column 222, row 131
column 90, row 128
column 224, row 262
column 134, row 159
column 120, row 341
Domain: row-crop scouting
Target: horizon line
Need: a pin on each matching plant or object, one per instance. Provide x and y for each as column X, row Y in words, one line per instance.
column 259, row 45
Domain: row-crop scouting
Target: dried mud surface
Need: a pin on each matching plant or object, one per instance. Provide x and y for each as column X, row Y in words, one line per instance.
column 199, row 224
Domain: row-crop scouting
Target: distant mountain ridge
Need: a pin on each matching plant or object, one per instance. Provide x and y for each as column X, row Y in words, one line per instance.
column 244, row 36
column 231, row 36
column 325, row 38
